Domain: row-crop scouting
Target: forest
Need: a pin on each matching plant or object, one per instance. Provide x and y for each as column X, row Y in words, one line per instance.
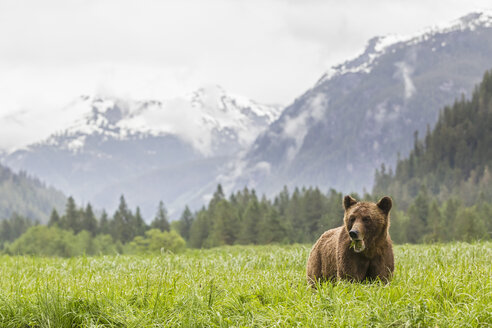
column 442, row 192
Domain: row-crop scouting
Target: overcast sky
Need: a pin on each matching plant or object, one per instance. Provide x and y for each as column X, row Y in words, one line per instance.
column 52, row 51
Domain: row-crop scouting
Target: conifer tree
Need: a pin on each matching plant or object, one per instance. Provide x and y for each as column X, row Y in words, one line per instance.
column 272, row 229
column 250, row 223
column 54, row 219
column 225, row 224
column 161, row 220
column 71, row 219
column 200, row 229
column 121, row 224
column 89, row 221
column 418, row 214
column 104, row 225
column 185, row 223
column 139, row 226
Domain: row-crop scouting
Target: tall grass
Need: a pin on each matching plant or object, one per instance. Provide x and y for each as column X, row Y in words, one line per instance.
column 445, row 285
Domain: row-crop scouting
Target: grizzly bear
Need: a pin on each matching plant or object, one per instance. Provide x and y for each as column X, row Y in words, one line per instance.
column 360, row 249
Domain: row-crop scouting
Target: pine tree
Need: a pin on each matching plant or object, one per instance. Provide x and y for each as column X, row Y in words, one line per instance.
column 225, row 224
column 200, row 229
column 272, row 229
column 313, row 208
column 89, row 221
column 161, row 221
column 250, row 223
column 71, row 219
column 294, row 217
column 418, row 214
column 435, row 229
column 104, row 225
column 121, row 228
column 217, row 197
column 139, row 226
column 54, row 219
column 185, row 223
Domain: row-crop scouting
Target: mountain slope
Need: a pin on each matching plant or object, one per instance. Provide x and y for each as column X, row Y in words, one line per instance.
column 148, row 150
column 455, row 155
column 27, row 196
column 364, row 112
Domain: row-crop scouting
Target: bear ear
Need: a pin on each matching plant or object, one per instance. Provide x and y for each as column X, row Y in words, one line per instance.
column 385, row 204
column 348, row 202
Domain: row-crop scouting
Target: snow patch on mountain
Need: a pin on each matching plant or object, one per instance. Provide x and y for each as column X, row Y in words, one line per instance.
column 380, row 45
column 208, row 119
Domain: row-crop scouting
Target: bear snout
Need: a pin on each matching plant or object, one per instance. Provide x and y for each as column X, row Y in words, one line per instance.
column 354, row 234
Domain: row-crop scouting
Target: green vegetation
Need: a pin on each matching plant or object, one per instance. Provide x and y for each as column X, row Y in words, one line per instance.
column 300, row 217
column 453, row 160
column 245, row 286
column 79, row 232
column 23, row 195
column 449, row 167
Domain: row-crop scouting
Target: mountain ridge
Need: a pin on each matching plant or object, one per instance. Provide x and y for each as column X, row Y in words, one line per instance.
column 364, row 112
column 101, row 155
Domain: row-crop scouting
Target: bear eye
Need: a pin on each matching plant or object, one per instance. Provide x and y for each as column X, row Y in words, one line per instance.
column 352, row 219
column 366, row 219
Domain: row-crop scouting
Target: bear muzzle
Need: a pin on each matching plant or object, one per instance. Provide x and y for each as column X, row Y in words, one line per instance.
column 357, row 241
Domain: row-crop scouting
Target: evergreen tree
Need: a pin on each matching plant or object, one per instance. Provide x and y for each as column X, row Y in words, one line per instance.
column 469, row 225
column 71, row 219
column 225, row 224
column 418, row 214
column 272, row 229
column 185, row 223
column 249, row 229
column 139, row 226
column 104, row 225
column 294, row 218
column 435, row 228
column 314, row 208
column 161, row 221
column 12, row 228
column 121, row 228
column 54, row 219
column 89, row 221
column 200, row 229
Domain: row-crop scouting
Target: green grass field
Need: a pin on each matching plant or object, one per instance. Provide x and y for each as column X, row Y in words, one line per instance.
column 446, row 285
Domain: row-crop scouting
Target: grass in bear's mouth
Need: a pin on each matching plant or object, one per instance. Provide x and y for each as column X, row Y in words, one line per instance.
column 357, row 245
column 444, row 285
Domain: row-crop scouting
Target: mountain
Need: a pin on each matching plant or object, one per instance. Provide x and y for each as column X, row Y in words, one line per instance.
column 27, row 196
column 454, row 158
column 150, row 150
column 364, row 112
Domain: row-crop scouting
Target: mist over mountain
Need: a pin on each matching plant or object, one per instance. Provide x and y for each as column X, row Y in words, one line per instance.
column 364, row 112
column 360, row 114
column 147, row 150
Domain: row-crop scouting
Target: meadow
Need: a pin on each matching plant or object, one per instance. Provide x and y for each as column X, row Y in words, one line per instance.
column 438, row 285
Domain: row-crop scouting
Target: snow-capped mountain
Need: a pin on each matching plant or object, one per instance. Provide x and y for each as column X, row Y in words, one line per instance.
column 365, row 111
column 147, row 150
column 207, row 119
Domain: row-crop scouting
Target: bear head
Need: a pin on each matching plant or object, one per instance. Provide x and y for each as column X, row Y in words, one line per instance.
column 366, row 223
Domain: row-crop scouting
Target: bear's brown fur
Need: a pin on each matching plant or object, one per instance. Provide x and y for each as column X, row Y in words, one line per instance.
column 360, row 249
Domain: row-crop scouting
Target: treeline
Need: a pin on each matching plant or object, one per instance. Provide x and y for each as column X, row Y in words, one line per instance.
column 300, row 216
column 78, row 231
column 26, row 196
column 244, row 218
column 303, row 215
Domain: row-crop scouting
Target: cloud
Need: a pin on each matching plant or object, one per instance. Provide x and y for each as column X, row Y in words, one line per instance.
column 296, row 128
column 268, row 50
